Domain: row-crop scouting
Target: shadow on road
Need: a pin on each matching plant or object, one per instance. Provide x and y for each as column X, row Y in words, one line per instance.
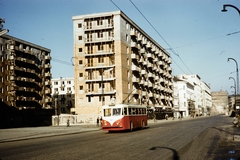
column 175, row 153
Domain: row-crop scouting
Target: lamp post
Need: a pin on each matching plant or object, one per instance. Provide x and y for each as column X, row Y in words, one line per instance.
column 234, row 98
column 229, row 5
column 234, row 91
column 102, row 83
column 237, row 84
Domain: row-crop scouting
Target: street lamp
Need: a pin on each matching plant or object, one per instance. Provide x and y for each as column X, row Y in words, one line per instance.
column 234, row 98
column 229, row 5
column 237, row 86
column 102, row 83
column 235, row 90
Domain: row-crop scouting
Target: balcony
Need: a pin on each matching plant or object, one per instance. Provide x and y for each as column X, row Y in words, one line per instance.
column 134, row 45
column 150, row 75
column 47, row 100
column 150, row 55
column 142, row 51
column 12, row 78
column 47, row 57
column 144, row 93
column 135, row 91
column 143, row 71
column 48, row 83
column 135, row 68
column 149, row 45
column 150, row 65
column 133, row 33
column 48, row 66
column 134, row 56
column 47, row 91
column 150, row 94
column 48, row 74
column 135, row 79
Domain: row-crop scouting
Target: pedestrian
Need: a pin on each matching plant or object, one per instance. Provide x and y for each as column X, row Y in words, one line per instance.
column 98, row 121
column 101, row 120
column 166, row 116
column 68, row 123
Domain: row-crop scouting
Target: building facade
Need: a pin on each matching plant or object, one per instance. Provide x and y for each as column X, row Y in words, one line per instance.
column 25, row 83
column 198, row 94
column 63, row 94
column 25, row 74
column 184, row 98
column 117, row 62
column 220, row 101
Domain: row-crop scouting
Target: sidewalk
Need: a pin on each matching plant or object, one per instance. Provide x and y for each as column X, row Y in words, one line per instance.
column 17, row 134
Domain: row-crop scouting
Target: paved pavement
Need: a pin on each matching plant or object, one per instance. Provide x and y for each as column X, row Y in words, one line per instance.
column 16, row 134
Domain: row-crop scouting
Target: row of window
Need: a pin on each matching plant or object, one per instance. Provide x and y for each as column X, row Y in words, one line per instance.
column 62, row 82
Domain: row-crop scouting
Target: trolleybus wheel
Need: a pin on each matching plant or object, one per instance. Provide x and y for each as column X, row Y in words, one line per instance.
column 143, row 124
column 131, row 126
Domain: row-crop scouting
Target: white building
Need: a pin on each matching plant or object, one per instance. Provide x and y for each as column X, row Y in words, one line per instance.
column 63, row 94
column 192, row 93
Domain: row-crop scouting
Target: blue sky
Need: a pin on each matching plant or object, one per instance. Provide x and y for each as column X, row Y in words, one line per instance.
column 195, row 30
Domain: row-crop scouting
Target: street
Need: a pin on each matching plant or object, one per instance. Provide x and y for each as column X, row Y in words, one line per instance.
column 196, row 138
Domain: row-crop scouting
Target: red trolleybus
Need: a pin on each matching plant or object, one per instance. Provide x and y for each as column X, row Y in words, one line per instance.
column 123, row 117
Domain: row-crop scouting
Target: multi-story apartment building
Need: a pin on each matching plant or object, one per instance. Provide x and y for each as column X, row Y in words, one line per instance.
column 202, row 99
column 117, row 62
column 25, row 74
column 184, row 98
column 63, row 95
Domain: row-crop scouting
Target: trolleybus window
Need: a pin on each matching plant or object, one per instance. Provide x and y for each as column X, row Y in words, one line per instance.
column 107, row 112
column 116, row 111
column 125, row 111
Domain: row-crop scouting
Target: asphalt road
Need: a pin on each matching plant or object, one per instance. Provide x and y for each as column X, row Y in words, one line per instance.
column 198, row 138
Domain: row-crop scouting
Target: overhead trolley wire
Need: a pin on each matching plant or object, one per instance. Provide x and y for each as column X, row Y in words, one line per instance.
column 161, row 37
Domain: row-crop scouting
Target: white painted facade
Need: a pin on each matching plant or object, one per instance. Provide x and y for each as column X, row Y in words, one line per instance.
column 63, row 93
column 192, row 90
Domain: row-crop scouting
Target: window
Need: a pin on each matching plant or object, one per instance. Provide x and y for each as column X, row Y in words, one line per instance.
column 107, row 112
column 126, row 37
column 100, row 60
column 79, row 49
column 68, row 82
column 80, row 62
column 80, row 74
column 116, row 111
column 89, row 99
column 68, row 88
column 100, row 34
column 80, row 38
column 55, row 83
column 99, row 22
column 80, row 87
column 100, row 47
column 79, row 25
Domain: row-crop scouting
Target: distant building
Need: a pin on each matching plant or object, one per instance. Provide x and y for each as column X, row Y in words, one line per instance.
column 198, row 95
column 220, row 101
column 117, row 62
column 25, row 77
column 63, row 94
column 184, row 97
